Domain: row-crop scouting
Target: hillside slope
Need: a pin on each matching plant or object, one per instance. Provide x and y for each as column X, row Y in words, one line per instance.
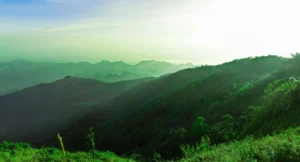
column 212, row 102
column 34, row 113
column 146, row 114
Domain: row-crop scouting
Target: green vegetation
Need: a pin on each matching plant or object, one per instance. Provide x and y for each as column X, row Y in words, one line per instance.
column 90, row 141
column 279, row 109
column 224, row 130
column 210, row 113
column 199, row 128
column 284, row 147
column 64, row 101
column 219, row 94
column 22, row 152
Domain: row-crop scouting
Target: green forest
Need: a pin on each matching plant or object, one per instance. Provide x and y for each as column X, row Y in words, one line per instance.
column 149, row 81
column 245, row 110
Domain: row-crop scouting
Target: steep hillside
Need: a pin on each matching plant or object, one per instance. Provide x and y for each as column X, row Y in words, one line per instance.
column 34, row 113
column 146, row 115
column 279, row 109
column 20, row 74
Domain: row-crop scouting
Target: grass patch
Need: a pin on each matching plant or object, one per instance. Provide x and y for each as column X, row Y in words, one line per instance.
column 23, row 152
column 277, row 148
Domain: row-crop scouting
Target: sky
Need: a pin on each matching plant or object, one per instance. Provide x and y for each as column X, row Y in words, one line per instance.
column 180, row 31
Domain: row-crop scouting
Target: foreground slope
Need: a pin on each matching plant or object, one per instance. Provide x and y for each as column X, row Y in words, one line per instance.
column 23, row 152
column 40, row 111
column 282, row 147
column 276, row 148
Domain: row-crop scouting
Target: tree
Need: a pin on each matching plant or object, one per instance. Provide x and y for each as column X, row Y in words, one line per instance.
column 199, row 128
column 224, row 131
column 178, row 135
column 90, row 141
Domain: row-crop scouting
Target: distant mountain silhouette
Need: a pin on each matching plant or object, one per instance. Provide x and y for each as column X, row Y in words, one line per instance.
column 20, row 74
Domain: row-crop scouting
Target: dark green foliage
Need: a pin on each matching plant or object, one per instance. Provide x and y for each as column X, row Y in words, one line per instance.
column 236, row 99
column 223, row 131
column 11, row 146
column 145, row 114
column 64, row 101
column 157, row 157
column 90, row 141
column 178, row 135
column 199, row 129
column 278, row 110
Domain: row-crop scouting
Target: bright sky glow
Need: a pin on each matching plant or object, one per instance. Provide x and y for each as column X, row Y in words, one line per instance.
column 198, row 31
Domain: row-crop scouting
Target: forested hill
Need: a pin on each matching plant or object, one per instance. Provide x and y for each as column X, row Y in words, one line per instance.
column 210, row 104
column 39, row 112
column 160, row 115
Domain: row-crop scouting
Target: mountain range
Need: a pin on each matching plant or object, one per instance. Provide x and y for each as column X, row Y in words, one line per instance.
column 20, row 74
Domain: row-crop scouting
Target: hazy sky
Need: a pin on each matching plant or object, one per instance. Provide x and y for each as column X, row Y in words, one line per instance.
column 198, row 31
